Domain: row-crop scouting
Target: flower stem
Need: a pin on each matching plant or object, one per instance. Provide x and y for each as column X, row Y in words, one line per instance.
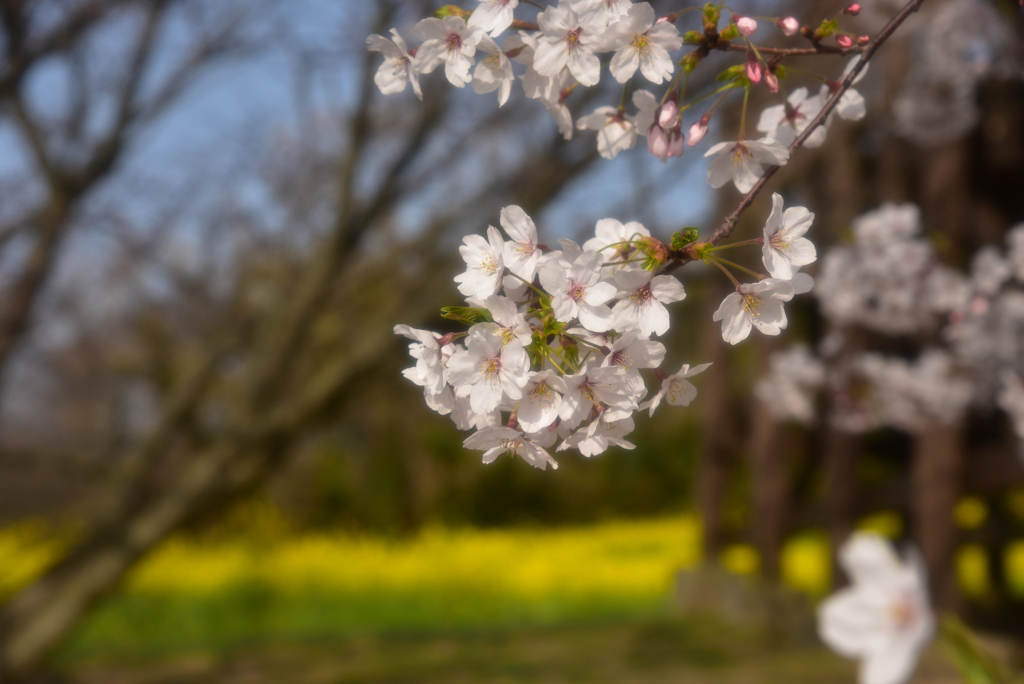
column 742, row 243
column 542, row 293
column 738, row 267
column 712, row 260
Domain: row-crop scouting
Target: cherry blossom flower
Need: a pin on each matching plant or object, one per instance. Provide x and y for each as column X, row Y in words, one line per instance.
column 465, row 418
column 521, row 252
column 851, row 105
column 743, row 161
column 579, row 292
column 606, row 12
column 697, row 132
column 493, row 16
column 755, row 304
column 397, row 67
column 631, row 353
column 497, row 440
column 676, row 389
column 484, row 266
column 542, row 399
column 787, row 392
column 641, row 41
column 568, row 40
column 493, row 72
column 883, row 618
column 492, row 369
column 785, row 249
column 508, row 323
column 784, row 122
column 989, row 270
column 616, row 131
column 608, row 387
column 647, row 110
column 644, row 303
column 448, row 41
column 608, row 232
column 429, row 371
column 599, row 435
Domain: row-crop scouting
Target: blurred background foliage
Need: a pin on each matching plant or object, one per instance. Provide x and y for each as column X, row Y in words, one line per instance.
column 210, row 222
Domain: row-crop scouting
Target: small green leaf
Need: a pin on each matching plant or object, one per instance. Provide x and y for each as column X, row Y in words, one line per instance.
column 466, row 314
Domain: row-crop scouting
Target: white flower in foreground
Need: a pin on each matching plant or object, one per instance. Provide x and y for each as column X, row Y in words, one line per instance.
column 493, row 16
column 883, row 618
column 785, row 249
column 521, row 251
column 542, row 398
column 448, row 41
column 493, row 72
column 579, row 292
column 743, row 162
column 756, row 305
column 568, row 40
column 604, row 11
column 641, row 41
column 676, row 389
column 647, row 106
column 491, row 369
column 484, row 265
column 508, row 323
column 644, row 303
column 608, row 232
column 610, row 386
column 429, row 370
column 631, row 353
column 616, row 131
column 397, row 67
column 496, row 440
column 851, row 105
column 599, row 435
column 785, row 122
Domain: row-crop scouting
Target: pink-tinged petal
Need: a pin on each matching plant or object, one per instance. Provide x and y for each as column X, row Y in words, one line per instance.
column 720, row 170
column 735, row 321
column 431, row 29
column 518, row 225
column 485, row 397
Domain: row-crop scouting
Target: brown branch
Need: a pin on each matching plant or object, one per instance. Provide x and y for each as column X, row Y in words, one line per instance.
column 729, row 223
column 818, row 49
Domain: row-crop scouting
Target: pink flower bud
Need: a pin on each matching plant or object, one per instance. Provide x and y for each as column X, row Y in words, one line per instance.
column 667, row 114
column 747, row 26
column 657, row 142
column 771, row 81
column 864, row 40
column 753, row 68
column 676, row 142
column 697, row 133
column 853, row 10
column 844, row 41
column 790, row 26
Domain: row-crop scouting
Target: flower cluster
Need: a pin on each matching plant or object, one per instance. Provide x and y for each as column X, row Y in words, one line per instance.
column 557, row 341
column 891, row 281
column 561, row 52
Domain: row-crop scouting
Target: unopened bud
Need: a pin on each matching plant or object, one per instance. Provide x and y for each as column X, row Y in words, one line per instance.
column 693, row 37
column 844, row 41
column 747, row 26
column 684, row 238
column 753, row 68
column 667, row 114
column 691, row 61
column 771, row 81
column 657, row 142
column 864, row 40
column 676, row 142
column 853, row 9
column 697, row 133
column 451, row 11
column 790, row 26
